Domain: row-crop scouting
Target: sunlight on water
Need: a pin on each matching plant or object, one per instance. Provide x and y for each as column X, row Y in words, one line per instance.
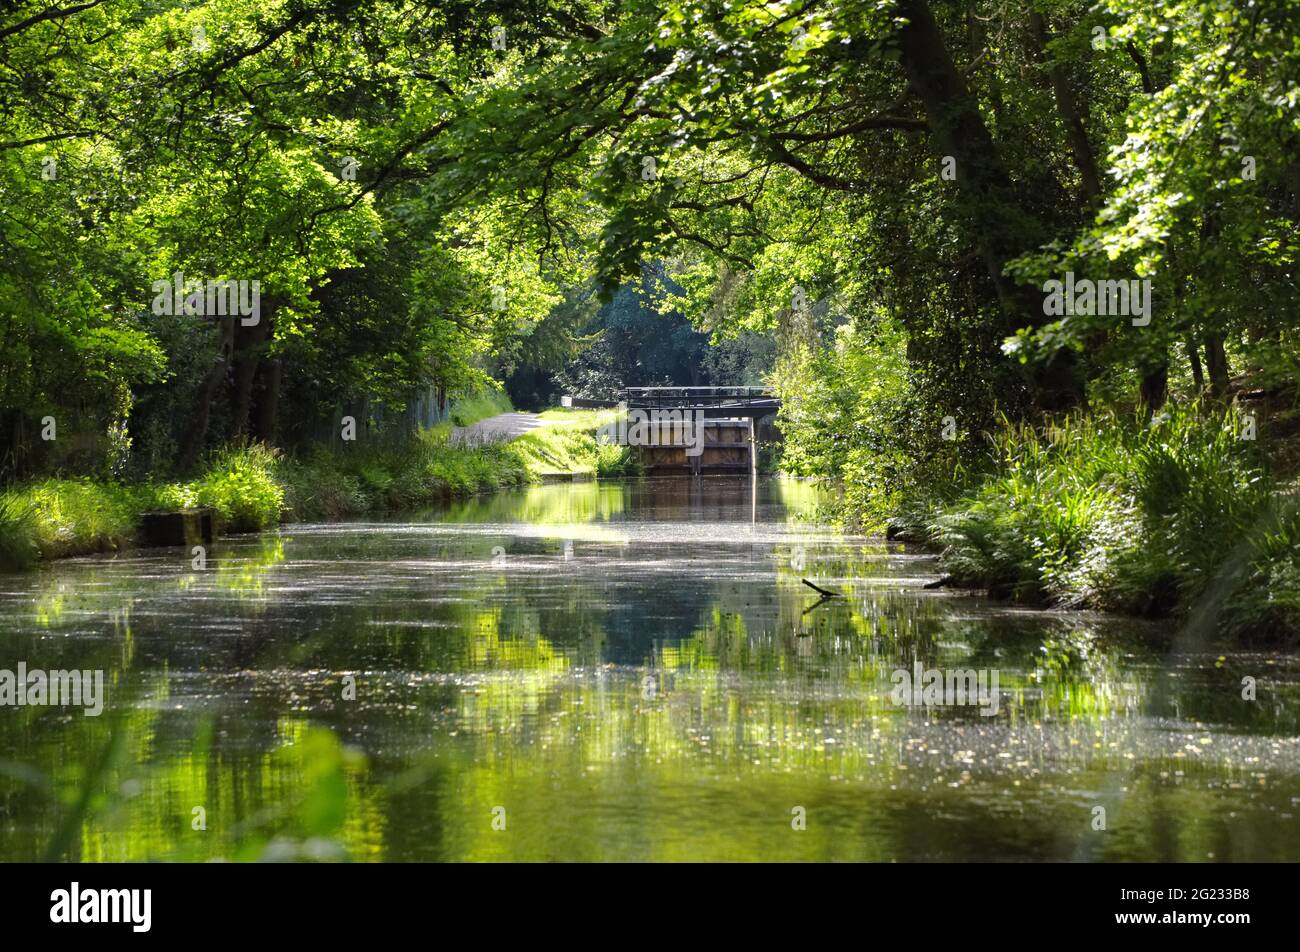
column 617, row 671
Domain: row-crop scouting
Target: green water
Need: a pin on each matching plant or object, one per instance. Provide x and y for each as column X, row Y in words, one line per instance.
column 617, row 672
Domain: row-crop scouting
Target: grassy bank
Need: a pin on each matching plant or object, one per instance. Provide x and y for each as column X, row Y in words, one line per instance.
column 254, row 487
column 1182, row 516
column 335, row 483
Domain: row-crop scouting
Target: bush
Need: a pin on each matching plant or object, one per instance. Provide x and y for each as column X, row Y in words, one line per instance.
column 241, row 485
column 615, row 460
column 1267, row 602
column 1125, row 514
column 62, row 517
column 319, row 488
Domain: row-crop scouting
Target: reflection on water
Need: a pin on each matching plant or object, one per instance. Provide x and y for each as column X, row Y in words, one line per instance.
column 616, row 671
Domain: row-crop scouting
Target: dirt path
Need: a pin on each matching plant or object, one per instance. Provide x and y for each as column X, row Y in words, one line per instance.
column 497, row 429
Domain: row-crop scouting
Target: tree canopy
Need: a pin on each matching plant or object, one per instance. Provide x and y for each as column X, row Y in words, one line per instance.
column 431, row 192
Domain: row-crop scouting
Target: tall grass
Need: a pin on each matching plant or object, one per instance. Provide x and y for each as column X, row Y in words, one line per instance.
column 252, row 487
column 334, row 483
column 54, row 518
column 339, row 482
column 479, row 405
column 18, row 546
column 1129, row 514
column 241, row 486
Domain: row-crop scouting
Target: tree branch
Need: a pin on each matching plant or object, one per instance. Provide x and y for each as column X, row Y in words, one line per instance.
column 871, row 122
column 21, row 143
column 53, row 13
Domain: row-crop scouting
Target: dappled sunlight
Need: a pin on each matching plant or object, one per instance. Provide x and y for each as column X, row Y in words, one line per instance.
column 369, row 692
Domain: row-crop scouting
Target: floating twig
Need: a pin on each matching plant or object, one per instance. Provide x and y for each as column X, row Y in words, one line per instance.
column 824, row 593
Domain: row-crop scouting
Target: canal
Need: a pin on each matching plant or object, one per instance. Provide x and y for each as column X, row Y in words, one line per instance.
column 618, row 671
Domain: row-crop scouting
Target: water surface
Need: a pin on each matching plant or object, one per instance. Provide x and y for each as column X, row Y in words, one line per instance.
column 625, row 671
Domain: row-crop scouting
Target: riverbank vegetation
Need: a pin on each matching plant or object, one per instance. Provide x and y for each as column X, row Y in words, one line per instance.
column 1024, row 275
column 1191, row 509
column 254, row 487
column 1173, row 515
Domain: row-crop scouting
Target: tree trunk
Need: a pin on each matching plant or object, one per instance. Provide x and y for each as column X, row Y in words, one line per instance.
column 984, row 186
column 1194, row 358
column 1000, row 227
column 1216, row 364
column 1067, row 107
column 268, row 402
column 1293, row 175
column 12, row 428
column 1154, row 389
column 197, row 432
column 250, row 345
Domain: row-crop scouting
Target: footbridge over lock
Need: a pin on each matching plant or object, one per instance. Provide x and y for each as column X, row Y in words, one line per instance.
column 691, row 430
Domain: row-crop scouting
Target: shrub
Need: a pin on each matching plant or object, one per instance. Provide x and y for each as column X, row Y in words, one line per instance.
column 70, row 517
column 1267, row 602
column 486, row 402
column 1119, row 513
column 241, row 486
column 615, row 460
column 317, row 488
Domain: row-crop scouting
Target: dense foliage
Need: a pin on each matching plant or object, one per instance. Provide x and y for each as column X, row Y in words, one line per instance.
column 934, row 221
